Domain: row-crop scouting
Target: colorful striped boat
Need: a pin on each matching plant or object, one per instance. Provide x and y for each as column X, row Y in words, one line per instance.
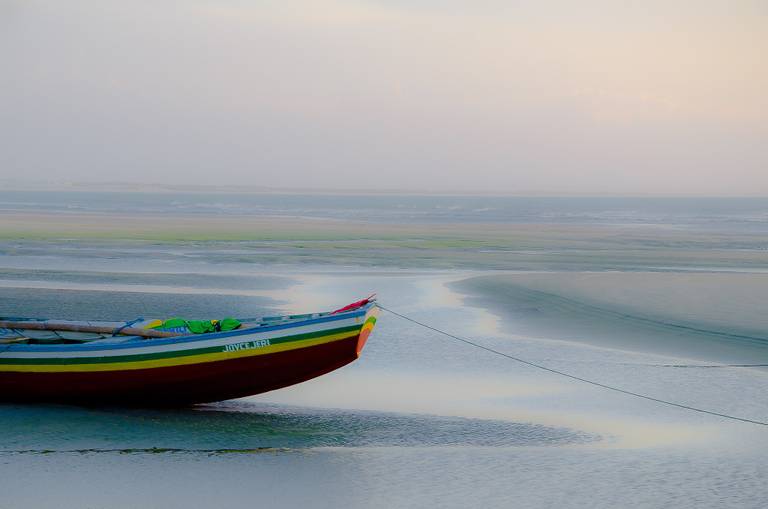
column 256, row 357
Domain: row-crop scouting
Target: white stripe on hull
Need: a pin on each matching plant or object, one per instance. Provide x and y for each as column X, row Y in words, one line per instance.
column 189, row 345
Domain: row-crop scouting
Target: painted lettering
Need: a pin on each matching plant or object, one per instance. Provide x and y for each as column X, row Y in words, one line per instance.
column 247, row 345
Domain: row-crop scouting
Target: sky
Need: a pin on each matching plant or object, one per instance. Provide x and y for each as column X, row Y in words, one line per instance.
column 516, row 96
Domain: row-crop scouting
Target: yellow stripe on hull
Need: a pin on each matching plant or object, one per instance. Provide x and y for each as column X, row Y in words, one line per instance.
column 180, row 361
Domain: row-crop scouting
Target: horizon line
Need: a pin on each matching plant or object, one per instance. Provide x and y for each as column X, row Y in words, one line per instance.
column 158, row 188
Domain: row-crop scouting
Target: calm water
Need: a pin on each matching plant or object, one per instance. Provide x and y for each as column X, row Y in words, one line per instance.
column 748, row 214
column 419, row 420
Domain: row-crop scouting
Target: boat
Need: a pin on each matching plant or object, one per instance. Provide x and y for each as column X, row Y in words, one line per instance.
column 141, row 363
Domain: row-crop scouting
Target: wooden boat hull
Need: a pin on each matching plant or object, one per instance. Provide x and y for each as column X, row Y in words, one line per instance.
column 210, row 367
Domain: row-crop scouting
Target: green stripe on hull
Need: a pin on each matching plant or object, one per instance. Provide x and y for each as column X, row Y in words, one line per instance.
column 170, row 354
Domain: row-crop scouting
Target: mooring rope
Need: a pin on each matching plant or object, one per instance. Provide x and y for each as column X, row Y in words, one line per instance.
column 573, row 377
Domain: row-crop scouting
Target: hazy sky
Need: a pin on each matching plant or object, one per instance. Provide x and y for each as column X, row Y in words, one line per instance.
column 547, row 96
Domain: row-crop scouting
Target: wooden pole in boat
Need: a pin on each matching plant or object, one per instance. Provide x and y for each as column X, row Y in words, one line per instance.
column 71, row 327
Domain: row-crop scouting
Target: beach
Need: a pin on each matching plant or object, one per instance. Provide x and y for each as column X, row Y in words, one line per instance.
column 420, row 419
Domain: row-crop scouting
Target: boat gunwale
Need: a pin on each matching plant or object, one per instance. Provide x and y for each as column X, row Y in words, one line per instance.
column 135, row 341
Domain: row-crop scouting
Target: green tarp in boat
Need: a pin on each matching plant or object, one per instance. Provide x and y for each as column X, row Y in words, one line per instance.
column 197, row 326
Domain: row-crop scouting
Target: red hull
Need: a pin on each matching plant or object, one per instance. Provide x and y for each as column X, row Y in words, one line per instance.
column 183, row 385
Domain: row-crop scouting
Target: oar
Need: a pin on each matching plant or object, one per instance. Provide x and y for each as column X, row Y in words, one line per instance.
column 7, row 341
column 71, row 327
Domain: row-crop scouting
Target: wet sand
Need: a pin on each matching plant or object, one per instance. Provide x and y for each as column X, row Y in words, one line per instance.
column 477, row 246
column 714, row 316
column 418, row 420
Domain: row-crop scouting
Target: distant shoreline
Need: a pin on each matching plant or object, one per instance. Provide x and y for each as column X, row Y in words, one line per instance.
column 117, row 187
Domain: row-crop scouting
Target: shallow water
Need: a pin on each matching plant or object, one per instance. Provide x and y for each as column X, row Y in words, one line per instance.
column 247, row 426
column 420, row 420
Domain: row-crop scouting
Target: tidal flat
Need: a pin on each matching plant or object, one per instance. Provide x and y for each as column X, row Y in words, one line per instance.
column 419, row 420
column 237, row 239
column 715, row 316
